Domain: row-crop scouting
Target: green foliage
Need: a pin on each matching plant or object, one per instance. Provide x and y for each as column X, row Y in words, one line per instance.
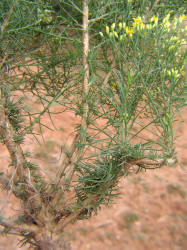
column 172, row 6
column 151, row 85
column 101, row 177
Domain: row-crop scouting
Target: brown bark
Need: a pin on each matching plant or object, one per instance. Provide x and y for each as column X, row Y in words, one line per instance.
column 45, row 242
column 14, row 148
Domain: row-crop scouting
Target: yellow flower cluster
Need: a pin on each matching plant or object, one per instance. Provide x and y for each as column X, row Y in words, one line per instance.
column 121, row 30
column 169, row 26
column 138, row 24
column 173, row 73
column 166, row 23
column 129, row 31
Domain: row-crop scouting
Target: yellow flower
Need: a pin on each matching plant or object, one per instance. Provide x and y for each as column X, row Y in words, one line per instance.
column 120, row 26
column 166, row 18
column 175, row 21
column 115, row 34
column 113, row 26
column 182, row 18
column 138, row 19
column 142, row 26
column 148, row 26
column 107, row 30
column 166, row 25
column 129, row 31
column 183, row 41
column 155, row 20
column 138, row 23
column 124, row 25
column 174, row 73
column 121, row 37
column 114, row 85
column 174, row 39
column 101, row 34
column 172, row 47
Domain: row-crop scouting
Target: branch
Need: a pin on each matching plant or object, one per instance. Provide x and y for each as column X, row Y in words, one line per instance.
column 18, row 159
column 76, row 153
column 16, row 153
column 10, row 225
column 7, row 184
column 85, row 63
column 148, row 162
column 86, row 86
column 98, row 18
column 145, row 163
column 89, row 201
column 3, row 27
column 108, row 75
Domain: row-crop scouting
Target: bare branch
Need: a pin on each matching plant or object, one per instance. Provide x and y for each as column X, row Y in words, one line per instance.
column 85, row 63
column 75, row 153
column 86, row 86
column 10, row 225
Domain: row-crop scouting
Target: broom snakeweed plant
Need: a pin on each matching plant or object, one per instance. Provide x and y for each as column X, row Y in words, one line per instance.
column 120, row 62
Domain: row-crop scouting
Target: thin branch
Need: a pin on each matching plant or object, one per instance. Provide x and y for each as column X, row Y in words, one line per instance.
column 10, row 225
column 3, row 27
column 67, row 160
column 108, row 75
column 8, row 184
column 85, row 90
column 98, row 18
column 85, row 64
column 86, row 86
column 146, row 161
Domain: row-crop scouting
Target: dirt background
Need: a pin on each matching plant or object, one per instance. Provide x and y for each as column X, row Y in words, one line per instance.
column 151, row 212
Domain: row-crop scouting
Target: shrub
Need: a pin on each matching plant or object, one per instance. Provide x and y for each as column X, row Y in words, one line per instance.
column 120, row 62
